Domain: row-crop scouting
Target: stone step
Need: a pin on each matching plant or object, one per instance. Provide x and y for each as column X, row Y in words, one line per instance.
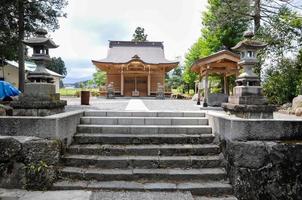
column 215, row 198
column 206, row 188
column 144, row 150
column 145, row 120
column 110, row 162
column 175, row 175
column 144, row 114
column 90, row 138
column 144, row 129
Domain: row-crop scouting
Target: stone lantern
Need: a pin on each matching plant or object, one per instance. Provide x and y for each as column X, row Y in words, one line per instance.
column 41, row 45
column 39, row 97
column 247, row 100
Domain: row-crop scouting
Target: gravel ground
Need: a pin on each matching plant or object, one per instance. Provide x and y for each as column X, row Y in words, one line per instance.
column 96, row 104
column 168, row 104
column 121, row 104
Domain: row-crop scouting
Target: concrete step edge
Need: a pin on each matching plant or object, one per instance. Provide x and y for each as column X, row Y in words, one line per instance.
column 209, row 188
column 144, row 126
column 143, row 146
column 140, row 135
column 173, row 171
column 113, row 158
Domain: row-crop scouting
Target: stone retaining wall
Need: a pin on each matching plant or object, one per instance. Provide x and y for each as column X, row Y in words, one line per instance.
column 60, row 126
column 265, row 170
column 263, row 157
column 28, row 162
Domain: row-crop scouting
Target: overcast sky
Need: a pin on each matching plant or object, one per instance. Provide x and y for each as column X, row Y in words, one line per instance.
column 84, row 34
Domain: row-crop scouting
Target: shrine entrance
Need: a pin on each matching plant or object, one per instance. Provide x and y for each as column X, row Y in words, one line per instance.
column 136, row 85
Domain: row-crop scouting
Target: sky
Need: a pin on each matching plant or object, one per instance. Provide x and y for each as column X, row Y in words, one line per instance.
column 90, row 24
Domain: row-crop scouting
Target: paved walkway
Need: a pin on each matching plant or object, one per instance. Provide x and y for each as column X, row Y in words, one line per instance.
column 136, row 105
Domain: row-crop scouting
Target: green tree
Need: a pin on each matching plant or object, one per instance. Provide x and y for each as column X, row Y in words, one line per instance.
column 139, row 35
column 283, row 83
column 175, row 80
column 22, row 18
column 214, row 36
column 57, row 65
column 99, row 78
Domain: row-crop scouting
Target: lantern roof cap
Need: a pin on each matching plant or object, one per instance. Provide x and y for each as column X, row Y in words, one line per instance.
column 249, row 43
column 40, row 39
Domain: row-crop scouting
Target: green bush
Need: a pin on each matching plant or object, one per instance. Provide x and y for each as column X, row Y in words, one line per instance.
column 39, row 176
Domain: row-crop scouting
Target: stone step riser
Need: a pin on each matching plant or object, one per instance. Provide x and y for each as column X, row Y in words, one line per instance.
column 110, row 151
column 146, row 177
column 147, row 163
column 143, row 130
column 143, row 114
column 212, row 191
column 143, row 121
column 142, row 140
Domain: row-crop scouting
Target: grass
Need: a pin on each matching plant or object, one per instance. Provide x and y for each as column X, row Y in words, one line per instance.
column 75, row 91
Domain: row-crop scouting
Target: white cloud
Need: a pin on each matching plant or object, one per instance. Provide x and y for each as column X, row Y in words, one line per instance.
column 91, row 23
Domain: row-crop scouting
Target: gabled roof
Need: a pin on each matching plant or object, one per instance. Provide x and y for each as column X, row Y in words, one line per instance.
column 122, row 52
column 221, row 59
column 30, row 66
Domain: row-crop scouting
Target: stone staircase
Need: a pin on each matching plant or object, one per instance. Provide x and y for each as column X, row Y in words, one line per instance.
column 137, row 151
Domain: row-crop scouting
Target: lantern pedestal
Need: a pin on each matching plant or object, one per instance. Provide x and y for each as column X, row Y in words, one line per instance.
column 248, row 102
column 38, row 99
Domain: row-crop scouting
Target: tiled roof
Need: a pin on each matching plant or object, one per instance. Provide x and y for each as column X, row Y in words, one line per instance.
column 124, row 51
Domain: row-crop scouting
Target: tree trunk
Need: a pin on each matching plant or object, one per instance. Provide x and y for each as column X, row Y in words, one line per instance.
column 257, row 16
column 20, row 45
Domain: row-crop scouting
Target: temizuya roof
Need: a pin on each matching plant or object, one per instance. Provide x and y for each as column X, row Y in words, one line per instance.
column 122, row 52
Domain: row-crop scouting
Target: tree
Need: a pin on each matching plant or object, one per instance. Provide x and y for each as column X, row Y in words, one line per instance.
column 213, row 37
column 175, row 80
column 283, row 83
column 22, row 18
column 99, row 78
column 258, row 11
column 57, row 65
column 139, row 35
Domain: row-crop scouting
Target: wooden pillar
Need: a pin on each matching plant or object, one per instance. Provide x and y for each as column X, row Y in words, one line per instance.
column 149, row 84
column 225, row 86
column 122, row 82
column 164, row 79
column 206, row 90
column 198, row 90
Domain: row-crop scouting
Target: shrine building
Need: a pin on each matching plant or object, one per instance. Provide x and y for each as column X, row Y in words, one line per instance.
column 135, row 68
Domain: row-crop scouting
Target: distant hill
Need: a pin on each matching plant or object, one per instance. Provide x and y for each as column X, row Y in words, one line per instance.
column 71, row 80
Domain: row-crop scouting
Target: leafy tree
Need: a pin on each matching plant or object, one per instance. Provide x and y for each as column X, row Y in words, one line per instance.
column 57, row 65
column 22, row 18
column 214, row 35
column 177, row 71
column 175, row 80
column 283, row 83
column 99, row 78
column 276, row 22
column 139, row 35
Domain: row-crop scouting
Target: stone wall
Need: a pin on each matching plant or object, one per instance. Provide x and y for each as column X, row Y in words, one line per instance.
column 28, row 162
column 265, row 169
column 60, row 126
column 263, row 157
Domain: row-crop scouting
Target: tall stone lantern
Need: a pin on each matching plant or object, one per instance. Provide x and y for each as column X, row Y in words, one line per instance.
column 247, row 100
column 39, row 97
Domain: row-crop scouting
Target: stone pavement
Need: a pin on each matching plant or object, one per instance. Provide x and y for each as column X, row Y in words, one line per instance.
column 6, row 194
column 120, row 104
